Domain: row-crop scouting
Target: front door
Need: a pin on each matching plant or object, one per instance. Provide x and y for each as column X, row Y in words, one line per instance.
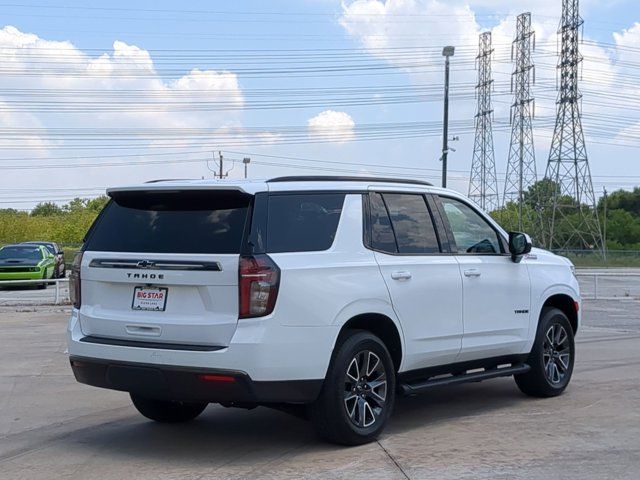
column 496, row 291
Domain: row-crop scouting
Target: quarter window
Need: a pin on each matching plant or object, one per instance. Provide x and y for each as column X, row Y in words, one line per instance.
column 305, row 222
column 472, row 233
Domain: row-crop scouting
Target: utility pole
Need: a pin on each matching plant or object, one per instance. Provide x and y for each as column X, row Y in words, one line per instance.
column 221, row 174
column 246, row 161
column 483, row 183
column 604, row 225
column 447, row 52
column 521, row 166
column 568, row 165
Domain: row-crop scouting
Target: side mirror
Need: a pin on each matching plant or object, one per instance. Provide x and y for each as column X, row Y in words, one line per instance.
column 60, row 252
column 519, row 245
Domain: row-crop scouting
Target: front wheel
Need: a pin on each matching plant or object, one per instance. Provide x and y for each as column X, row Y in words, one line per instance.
column 552, row 356
column 42, row 286
column 166, row 411
column 358, row 392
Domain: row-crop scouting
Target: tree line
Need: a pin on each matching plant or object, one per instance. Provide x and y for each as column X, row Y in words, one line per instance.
column 64, row 224
column 618, row 215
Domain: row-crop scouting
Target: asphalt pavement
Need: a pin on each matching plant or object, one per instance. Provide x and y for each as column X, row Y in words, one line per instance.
column 52, row 427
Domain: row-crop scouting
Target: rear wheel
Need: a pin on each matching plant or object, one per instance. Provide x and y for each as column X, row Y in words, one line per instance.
column 358, row 392
column 166, row 411
column 551, row 358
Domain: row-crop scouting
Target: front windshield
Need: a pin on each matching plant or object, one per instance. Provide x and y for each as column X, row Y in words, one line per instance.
column 21, row 253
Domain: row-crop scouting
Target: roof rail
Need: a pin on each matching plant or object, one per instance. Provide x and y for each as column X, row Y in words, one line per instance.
column 160, row 180
column 329, row 178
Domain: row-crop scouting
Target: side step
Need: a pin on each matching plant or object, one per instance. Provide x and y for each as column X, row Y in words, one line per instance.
column 419, row 386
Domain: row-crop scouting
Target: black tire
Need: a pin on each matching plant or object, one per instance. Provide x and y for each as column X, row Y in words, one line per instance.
column 42, row 286
column 337, row 414
column 167, row 411
column 550, row 370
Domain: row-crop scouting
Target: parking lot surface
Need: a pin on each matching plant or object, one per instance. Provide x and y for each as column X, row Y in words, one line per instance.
column 52, row 427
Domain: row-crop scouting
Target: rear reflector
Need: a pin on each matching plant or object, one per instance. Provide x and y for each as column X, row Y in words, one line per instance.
column 576, row 305
column 216, row 378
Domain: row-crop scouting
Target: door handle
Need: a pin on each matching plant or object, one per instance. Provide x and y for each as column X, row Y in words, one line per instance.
column 401, row 275
column 472, row 272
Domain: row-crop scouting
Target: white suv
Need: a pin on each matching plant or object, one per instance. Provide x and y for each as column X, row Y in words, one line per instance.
column 326, row 295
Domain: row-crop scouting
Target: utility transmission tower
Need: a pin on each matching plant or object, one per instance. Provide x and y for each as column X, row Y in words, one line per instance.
column 574, row 217
column 483, row 184
column 521, row 166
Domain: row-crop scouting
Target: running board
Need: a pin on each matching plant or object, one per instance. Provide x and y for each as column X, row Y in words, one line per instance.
column 419, row 386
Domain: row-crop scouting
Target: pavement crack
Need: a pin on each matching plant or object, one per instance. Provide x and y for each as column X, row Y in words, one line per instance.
column 395, row 462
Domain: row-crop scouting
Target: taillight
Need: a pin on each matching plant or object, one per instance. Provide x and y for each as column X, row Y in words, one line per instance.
column 74, row 281
column 258, row 282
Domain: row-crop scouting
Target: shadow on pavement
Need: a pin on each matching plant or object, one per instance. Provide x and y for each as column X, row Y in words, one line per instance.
column 225, row 435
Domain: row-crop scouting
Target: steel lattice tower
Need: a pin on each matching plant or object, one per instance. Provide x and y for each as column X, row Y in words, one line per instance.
column 573, row 202
column 521, row 166
column 483, row 184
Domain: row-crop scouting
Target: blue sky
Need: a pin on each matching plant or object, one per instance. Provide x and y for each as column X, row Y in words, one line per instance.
column 203, row 35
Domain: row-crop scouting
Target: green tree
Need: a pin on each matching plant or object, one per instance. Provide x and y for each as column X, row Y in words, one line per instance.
column 46, row 209
column 97, row 204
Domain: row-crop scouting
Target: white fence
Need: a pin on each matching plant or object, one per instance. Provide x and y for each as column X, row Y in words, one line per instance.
column 609, row 285
column 60, row 294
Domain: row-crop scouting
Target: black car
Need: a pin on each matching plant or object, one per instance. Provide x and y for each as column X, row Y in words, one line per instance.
column 60, row 271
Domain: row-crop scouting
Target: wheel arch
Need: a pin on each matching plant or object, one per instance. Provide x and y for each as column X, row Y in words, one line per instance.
column 566, row 304
column 381, row 326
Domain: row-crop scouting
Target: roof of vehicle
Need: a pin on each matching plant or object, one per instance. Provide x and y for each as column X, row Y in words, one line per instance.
column 23, row 245
column 276, row 184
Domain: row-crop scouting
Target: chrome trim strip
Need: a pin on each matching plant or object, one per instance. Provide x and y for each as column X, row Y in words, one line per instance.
column 145, row 264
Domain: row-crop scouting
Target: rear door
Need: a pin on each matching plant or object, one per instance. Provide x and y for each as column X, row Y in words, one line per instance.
column 496, row 289
column 162, row 267
column 423, row 280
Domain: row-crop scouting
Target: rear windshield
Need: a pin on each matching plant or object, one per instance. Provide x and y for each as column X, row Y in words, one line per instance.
column 171, row 222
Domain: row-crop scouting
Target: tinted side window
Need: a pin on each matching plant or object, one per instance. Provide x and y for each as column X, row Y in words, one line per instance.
column 412, row 223
column 171, row 222
column 305, row 222
column 471, row 232
column 382, row 237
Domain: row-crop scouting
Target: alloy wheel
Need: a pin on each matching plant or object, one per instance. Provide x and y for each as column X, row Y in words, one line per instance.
column 365, row 389
column 556, row 354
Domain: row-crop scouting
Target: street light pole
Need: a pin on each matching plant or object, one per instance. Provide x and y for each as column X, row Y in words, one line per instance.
column 246, row 161
column 447, row 52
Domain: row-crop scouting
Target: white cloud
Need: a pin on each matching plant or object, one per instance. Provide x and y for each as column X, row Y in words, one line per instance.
column 152, row 101
column 332, row 125
column 382, row 26
column 120, row 89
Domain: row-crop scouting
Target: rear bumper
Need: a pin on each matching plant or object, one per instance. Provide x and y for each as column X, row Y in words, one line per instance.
column 191, row 384
column 263, row 356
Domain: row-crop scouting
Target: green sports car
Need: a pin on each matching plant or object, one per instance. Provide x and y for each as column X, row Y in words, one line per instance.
column 26, row 262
